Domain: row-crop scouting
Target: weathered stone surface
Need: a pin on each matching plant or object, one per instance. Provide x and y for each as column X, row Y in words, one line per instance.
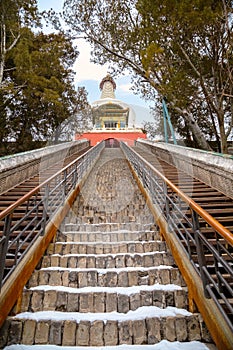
column 55, row 334
column 125, row 332
column 28, row 332
column 123, row 303
column 99, row 302
column 42, row 332
column 97, row 333
column 50, row 300
column 83, row 334
column 181, row 328
column 69, row 333
column 15, row 332
column 153, row 330
column 111, row 333
column 194, row 331
column 139, row 332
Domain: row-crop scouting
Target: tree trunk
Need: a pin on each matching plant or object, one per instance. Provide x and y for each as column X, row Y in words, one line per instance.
column 222, row 133
column 194, row 128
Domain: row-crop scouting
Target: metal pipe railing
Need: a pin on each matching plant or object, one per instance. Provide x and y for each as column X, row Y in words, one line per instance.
column 212, row 258
column 26, row 219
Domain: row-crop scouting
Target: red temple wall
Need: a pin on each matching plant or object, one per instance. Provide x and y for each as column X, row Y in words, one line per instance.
column 96, row 137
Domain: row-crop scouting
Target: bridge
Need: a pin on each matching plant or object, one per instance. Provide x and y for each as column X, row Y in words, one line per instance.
column 115, row 246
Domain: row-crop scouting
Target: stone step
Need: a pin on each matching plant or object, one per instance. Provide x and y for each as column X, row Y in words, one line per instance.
column 163, row 344
column 109, row 227
column 112, row 236
column 102, row 299
column 106, row 248
column 121, row 277
column 103, row 261
column 146, row 325
column 86, row 218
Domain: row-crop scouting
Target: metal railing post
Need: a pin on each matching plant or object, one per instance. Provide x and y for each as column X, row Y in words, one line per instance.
column 3, row 245
column 200, row 252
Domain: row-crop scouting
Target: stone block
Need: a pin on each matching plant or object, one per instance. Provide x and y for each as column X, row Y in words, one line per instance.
column 194, row 331
column 123, row 280
column 123, row 303
column 111, row 333
column 110, row 262
column 61, row 304
column 15, row 332
column 111, row 279
column 29, row 332
column 97, row 333
column 73, row 263
column 181, row 299
column 42, row 332
column 99, row 302
column 83, row 334
column 63, row 261
column 111, row 302
column 149, row 260
column 26, row 300
column 50, row 300
column 92, row 278
column 139, row 332
column 34, row 279
column 146, row 298
column 90, row 262
column 65, row 278
column 72, row 302
column 133, row 278
column 129, row 260
column 135, row 301
column 100, row 262
column 54, row 260
column 55, row 333
column 125, row 332
column 153, row 330
column 86, row 302
column 82, row 279
column 169, row 329
column 55, row 278
column 169, row 298
column 181, row 328
column 69, row 333
column 120, row 261
column 82, row 262
column 37, row 300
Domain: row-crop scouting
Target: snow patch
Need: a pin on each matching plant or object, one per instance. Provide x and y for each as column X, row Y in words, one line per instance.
column 139, row 314
column 163, row 345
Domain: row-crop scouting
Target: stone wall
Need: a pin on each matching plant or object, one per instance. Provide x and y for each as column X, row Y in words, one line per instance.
column 20, row 167
column 216, row 170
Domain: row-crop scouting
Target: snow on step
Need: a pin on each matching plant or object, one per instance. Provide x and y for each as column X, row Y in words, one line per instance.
column 113, row 236
column 111, row 277
column 163, row 345
column 108, row 260
column 146, row 325
column 106, row 247
column 103, row 299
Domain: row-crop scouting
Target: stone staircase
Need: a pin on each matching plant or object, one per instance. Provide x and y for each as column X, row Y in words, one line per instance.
column 107, row 280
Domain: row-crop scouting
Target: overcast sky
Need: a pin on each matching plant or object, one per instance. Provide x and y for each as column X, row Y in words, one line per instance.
column 90, row 75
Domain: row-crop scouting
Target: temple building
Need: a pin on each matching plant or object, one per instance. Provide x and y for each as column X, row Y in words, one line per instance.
column 113, row 120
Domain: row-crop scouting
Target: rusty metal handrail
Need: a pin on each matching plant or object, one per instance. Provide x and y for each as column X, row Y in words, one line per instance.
column 38, row 207
column 186, row 218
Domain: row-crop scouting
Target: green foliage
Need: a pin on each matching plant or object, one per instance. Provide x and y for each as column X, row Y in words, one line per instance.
column 37, row 87
column 181, row 49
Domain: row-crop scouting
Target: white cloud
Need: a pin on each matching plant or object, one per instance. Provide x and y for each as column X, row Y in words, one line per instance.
column 85, row 70
column 125, row 88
